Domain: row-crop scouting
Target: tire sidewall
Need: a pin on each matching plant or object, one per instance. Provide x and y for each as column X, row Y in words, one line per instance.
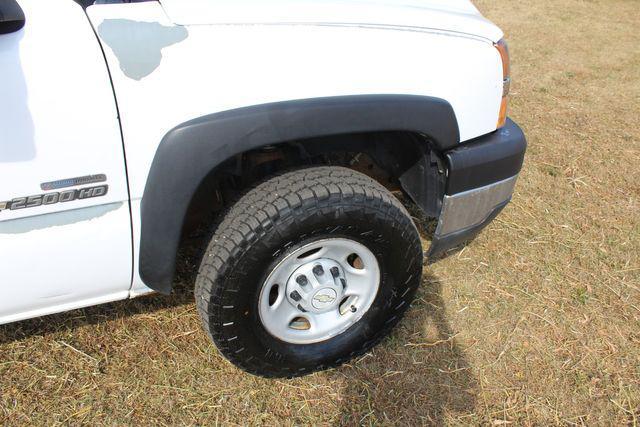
column 388, row 233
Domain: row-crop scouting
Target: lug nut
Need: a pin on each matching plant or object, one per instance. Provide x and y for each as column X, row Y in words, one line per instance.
column 353, row 309
column 318, row 270
column 295, row 296
column 335, row 272
column 302, row 280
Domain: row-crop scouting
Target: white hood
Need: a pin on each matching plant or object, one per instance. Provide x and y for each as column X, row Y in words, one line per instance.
column 458, row 16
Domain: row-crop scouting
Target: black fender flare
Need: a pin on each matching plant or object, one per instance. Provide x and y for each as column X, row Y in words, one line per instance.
column 191, row 150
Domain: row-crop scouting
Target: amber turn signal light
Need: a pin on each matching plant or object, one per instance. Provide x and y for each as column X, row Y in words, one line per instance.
column 503, row 49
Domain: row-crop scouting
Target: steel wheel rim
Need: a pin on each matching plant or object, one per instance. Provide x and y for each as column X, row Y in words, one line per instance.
column 334, row 297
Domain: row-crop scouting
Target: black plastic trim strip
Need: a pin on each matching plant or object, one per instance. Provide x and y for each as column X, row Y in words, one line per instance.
column 190, row 151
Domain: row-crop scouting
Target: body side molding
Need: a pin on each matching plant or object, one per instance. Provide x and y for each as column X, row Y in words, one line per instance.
column 190, row 151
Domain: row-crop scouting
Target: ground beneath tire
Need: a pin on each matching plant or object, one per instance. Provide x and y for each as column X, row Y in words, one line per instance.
column 536, row 322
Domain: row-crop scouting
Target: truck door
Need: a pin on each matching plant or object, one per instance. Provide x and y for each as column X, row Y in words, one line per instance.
column 65, row 226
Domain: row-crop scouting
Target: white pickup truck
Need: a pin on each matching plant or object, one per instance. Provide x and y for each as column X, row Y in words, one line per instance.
column 283, row 126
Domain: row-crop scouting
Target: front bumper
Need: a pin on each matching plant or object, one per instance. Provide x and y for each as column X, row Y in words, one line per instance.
column 481, row 177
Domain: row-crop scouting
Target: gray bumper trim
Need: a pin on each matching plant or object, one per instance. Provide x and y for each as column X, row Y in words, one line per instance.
column 471, row 207
column 464, row 214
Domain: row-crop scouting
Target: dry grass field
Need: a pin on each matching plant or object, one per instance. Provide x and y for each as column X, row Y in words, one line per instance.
column 537, row 322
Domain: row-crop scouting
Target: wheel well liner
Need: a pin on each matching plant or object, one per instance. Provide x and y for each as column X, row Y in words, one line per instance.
column 191, row 150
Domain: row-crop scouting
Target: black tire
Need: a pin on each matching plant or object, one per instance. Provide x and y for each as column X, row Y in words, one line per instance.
column 285, row 212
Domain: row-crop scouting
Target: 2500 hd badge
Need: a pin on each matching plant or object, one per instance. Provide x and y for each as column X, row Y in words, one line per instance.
column 52, row 198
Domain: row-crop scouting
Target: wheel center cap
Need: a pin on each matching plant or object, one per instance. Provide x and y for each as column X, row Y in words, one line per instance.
column 324, row 298
column 316, row 286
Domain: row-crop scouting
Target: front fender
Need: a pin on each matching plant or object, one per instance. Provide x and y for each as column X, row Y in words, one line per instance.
column 190, row 151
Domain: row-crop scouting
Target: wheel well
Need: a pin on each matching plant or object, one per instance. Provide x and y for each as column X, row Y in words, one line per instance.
column 380, row 126
column 383, row 156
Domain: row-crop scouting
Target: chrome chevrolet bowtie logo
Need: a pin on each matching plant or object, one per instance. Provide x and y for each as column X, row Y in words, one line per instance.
column 323, row 298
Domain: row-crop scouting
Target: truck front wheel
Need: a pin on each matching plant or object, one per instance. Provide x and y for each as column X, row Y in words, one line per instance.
column 307, row 270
